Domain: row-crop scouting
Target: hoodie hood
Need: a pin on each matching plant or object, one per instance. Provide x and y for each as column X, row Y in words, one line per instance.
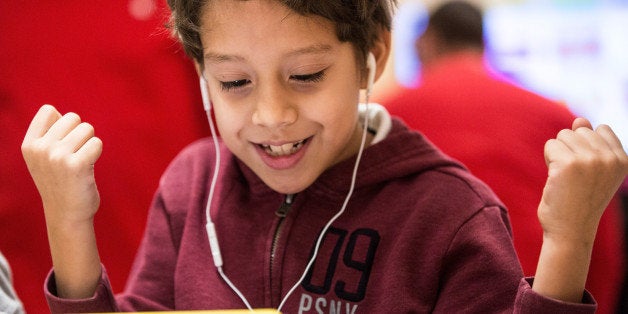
column 404, row 152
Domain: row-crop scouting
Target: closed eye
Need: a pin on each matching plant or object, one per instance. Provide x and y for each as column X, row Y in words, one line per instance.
column 314, row 77
column 230, row 85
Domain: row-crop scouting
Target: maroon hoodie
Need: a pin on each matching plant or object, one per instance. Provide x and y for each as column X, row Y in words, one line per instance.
column 420, row 234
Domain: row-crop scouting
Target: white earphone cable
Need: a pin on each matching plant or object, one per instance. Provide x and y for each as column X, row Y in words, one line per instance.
column 211, row 231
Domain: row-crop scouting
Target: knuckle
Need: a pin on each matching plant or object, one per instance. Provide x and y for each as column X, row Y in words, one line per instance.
column 72, row 117
column 26, row 147
column 583, row 130
column 563, row 133
column 598, row 163
column 87, row 127
column 551, row 144
column 604, row 127
column 97, row 141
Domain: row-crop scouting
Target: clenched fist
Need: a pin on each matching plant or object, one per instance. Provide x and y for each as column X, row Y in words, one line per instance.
column 60, row 152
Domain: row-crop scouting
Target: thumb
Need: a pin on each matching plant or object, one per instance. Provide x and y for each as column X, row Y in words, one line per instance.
column 581, row 123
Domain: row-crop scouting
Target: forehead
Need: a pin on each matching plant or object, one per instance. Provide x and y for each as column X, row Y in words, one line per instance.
column 259, row 24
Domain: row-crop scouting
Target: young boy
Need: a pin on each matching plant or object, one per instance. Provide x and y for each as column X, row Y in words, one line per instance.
column 411, row 231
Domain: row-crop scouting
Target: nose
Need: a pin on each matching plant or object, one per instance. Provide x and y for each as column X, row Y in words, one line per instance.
column 274, row 107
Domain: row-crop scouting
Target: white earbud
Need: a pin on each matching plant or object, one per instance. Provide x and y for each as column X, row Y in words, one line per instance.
column 204, row 93
column 371, row 65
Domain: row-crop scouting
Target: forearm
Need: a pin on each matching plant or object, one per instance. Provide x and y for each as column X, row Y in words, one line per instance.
column 75, row 259
column 60, row 152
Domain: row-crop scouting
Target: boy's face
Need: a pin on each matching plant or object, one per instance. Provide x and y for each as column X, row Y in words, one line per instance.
column 284, row 90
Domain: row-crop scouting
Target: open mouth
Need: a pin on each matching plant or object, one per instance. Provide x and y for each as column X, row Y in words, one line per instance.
column 283, row 150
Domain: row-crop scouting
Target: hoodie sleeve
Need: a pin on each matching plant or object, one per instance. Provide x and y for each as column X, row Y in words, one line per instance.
column 480, row 271
column 150, row 284
column 529, row 301
column 101, row 301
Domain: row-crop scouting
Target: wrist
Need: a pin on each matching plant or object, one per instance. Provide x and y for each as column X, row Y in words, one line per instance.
column 562, row 228
column 568, row 240
column 75, row 258
column 563, row 267
column 68, row 217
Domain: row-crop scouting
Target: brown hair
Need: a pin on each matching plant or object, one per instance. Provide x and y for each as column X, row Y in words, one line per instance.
column 357, row 21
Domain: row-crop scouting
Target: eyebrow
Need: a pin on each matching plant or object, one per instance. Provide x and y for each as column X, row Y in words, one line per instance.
column 313, row 49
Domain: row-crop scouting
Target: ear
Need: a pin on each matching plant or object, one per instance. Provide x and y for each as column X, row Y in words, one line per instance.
column 381, row 51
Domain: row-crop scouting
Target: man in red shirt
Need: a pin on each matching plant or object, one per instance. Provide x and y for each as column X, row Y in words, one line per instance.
column 498, row 130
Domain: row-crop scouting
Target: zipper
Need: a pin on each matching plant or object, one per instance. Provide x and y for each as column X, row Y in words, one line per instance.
column 281, row 212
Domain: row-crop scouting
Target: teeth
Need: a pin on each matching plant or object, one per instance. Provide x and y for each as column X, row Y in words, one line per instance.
column 283, row 150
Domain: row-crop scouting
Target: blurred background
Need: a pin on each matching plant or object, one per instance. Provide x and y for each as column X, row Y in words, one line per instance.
column 114, row 64
column 572, row 51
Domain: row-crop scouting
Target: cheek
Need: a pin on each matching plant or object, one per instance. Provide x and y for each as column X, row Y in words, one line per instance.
column 338, row 120
column 338, row 109
column 229, row 124
column 342, row 105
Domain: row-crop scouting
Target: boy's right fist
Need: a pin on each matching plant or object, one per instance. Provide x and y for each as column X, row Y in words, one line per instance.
column 60, row 152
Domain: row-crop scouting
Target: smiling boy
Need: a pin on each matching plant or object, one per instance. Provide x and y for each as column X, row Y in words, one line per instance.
column 410, row 231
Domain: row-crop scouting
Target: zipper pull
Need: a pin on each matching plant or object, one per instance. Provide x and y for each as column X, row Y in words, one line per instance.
column 282, row 211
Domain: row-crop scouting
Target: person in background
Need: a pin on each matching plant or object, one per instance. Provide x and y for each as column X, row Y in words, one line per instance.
column 498, row 130
column 9, row 302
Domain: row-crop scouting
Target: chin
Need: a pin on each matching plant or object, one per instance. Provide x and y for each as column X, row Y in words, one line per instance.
column 288, row 186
